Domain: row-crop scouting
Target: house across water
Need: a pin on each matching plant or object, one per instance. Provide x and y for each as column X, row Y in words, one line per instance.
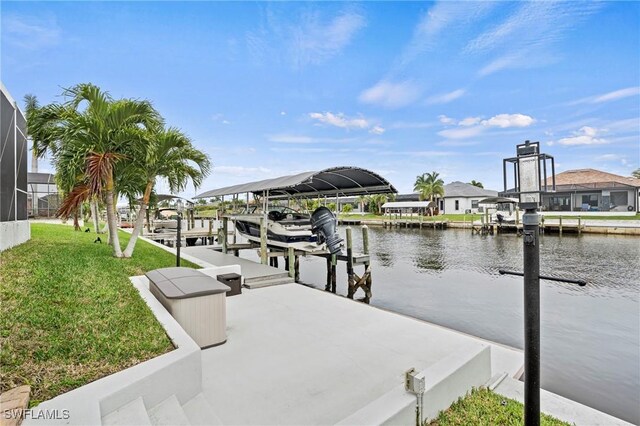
column 590, row 190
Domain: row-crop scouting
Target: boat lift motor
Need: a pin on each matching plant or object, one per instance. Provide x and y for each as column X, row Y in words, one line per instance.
column 323, row 224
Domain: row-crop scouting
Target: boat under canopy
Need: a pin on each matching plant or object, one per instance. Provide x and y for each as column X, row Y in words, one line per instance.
column 335, row 181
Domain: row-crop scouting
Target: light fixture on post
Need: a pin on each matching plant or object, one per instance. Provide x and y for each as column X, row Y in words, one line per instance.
column 179, row 208
column 531, row 181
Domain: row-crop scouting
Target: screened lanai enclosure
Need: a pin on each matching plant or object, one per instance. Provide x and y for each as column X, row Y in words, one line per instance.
column 43, row 197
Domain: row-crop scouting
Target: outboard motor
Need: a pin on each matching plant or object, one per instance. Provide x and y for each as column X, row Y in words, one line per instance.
column 323, row 224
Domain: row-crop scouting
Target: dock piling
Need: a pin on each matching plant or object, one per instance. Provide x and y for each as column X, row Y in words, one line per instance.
column 350, row 277
column 291, row 262
column 263, row 241
column 224, row 235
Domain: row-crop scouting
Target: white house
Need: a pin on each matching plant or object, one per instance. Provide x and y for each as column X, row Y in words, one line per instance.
column 460, row 197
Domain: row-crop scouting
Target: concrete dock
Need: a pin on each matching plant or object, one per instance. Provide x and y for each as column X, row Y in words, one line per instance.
column 297, row 355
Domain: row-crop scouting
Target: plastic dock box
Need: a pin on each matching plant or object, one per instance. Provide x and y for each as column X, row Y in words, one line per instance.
column 234, row 281
column 197, row 301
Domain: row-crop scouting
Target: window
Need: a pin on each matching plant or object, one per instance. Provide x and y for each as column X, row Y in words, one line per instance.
column 474, row 204
column 619, row 198
column 590, row 200
column 457, row 205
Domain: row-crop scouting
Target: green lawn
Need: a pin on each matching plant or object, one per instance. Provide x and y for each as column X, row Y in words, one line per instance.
column 69, row 314
column 485, row 408
column 470, row 217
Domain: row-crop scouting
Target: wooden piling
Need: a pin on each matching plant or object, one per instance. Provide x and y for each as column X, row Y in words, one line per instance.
column 334, row 275
column 560, row 225
column 517, row 216
column 350, row 277
column 365, row 239
column 296, row 267
column 225, row 224
column 327, row 287
column 579, row 225
column 291, row 262
column 263, row 241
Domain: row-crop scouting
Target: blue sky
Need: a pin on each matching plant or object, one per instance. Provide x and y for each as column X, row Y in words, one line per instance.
column 269, row 89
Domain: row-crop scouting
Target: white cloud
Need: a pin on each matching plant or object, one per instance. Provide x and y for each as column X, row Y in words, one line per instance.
column 509, row 120
column 340, row 120
column 473, row 126
column 292, row 139
column 219, row 118
column 446, row 120
column 30, row 32
column 442, row 16
column 444, row 98
column 463, row 133
column 412, row 125
column 391, row 95
column 283, row 113
column 610, row 96
column 377, row 130
column 523, row 39
column 618, row 94
column 309, row 38
column 240, row 170
column 585, row 136
column 469, row 121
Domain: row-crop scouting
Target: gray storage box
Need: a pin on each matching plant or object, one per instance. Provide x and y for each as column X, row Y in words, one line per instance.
column 195, row 300
column 234, row 281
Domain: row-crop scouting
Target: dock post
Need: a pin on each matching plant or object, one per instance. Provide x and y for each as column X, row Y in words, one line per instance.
column 518, row 217
column 210, row 230
column 263, row 241
column 365, row 239
column 579, row 225
column 560, row 225
column 202, row 222
column 225, row 225
column 350, row 278
column 296, row 267
column 334, row 263
column 291, row 262
column 327, row 287
column 367, row 264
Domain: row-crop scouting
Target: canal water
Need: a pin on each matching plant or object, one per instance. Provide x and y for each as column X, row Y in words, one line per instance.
column 590, row 336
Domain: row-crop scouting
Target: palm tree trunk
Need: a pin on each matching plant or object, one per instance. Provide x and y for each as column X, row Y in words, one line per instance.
column 111, row 218
column 128, row 252
column 76, row 222
column 94, row 215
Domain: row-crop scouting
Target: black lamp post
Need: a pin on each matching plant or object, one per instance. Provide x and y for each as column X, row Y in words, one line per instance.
column 178, row 231
column 528, row 166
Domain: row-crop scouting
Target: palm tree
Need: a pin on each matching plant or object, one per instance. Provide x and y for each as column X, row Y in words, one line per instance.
column 362, row 200
column 636, row 173
column 169, row 154
column 376, row 201
column 429, row 185
column 95, row 135
column 476, row 183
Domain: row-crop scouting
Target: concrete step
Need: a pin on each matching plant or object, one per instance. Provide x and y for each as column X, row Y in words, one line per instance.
column 199, row 412
column 133, row 413
column 269, row 282
column 168, row 413
column 266, row 277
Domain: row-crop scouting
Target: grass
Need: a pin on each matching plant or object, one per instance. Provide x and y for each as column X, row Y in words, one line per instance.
column 469, row 217
column 485, row 408
column 69, row 314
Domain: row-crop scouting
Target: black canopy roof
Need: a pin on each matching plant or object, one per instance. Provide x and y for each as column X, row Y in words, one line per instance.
column 335, row 181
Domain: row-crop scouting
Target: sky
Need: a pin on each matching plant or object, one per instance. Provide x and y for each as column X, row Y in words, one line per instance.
column 400, row 88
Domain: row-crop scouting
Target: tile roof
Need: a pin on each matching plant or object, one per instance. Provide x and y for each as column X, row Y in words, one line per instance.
column 592, row 176
column 461, row 189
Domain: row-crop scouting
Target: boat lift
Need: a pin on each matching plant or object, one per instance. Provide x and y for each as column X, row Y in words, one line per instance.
column 335, row 181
